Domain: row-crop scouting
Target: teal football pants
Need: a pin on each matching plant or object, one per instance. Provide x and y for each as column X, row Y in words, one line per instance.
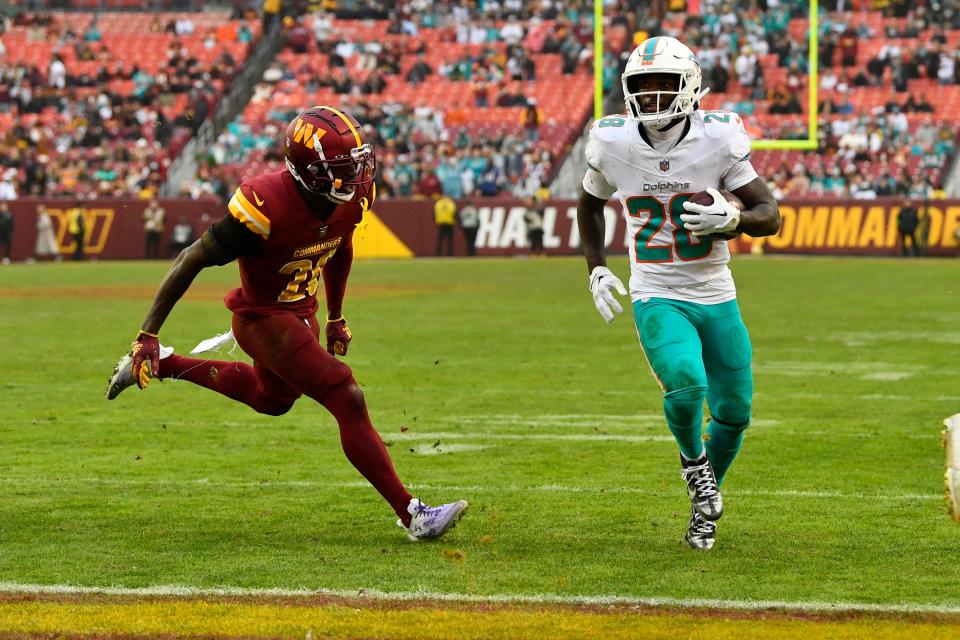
column 700, row 352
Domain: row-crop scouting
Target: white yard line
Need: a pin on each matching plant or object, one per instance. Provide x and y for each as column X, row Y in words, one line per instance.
column 484, row 436
column 546, row 488
column 867, row 396
column 889, row 337
column 515, row 598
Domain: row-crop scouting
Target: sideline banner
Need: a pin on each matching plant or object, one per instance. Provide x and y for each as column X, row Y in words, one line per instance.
column 405, row 228
column 848, row 227
column 114, row 227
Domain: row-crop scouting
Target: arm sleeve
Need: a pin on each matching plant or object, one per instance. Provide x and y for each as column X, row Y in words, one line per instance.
column 229, row 239
column 594, row 182
column 335, row 273
column 596, row 185
column 740, row 170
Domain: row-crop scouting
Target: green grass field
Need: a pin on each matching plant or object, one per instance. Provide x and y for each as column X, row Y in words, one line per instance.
column 497, row 382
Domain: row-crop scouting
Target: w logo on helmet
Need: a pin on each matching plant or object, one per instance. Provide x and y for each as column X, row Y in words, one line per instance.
column 342, row 167
column 303, row 132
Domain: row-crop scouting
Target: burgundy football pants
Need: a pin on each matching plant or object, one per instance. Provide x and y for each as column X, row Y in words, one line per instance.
column 289, row 361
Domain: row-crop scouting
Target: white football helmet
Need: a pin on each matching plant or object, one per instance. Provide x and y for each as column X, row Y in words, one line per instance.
column 663, row 55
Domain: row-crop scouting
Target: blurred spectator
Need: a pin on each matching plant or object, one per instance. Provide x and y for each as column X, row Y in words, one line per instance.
column 469, row 223
column 445, row 215
column 848, row 47
column 271, row 12
column 8, row 188
column 531, row 118
column 6, row 230
column 533, row 218
column 374, row 84
column 77, row 228
column 907, row 227
column 46, row 244
column 419, row 71
column 923, row 227
column 57, row 73
column 448, row 173
column 181, row 237
column 512, row 31
column 429, row 185
column 153, row 223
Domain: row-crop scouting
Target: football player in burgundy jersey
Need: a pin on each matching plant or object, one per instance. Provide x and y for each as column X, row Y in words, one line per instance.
column 287, row 230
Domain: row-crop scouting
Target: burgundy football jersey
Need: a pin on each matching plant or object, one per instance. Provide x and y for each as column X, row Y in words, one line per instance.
column 285, row 275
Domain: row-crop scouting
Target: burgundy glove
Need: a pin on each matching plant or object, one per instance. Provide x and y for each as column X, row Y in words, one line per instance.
column 146, row 348
column 338, row 337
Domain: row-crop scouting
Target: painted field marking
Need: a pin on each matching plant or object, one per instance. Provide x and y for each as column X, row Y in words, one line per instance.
column 940, row 337
column 600, row 421
column 863, row 370
column 182, row 591
column 556, row 437
column 866, row 396
column 546, row 488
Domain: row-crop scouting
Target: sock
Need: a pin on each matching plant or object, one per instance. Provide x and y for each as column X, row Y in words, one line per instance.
column 684, row 411
column 235, row 380
column 723, row 443
column 363, row 446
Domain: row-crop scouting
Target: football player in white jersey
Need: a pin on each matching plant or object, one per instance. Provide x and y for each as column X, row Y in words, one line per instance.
column 664, row 150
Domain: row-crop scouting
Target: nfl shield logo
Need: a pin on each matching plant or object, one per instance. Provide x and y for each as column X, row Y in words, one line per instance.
column 322, row 231
column 664, row 165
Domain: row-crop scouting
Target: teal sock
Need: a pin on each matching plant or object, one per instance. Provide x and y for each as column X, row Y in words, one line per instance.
column 684, row 411
column 723, row 443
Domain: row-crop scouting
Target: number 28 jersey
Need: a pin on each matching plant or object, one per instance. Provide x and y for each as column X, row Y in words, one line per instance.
column 666, row 261
column 284, row 273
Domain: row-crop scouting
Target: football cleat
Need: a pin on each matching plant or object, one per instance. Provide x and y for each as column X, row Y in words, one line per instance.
column 702, row 487
column 701, row 533
column 951, row 479
column 122, row 376
column 432, row 522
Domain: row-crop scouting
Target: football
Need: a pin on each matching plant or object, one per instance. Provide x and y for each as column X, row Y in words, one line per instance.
column 704, row 198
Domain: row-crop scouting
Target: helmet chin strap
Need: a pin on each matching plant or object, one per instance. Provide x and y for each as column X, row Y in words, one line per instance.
column 340, row 197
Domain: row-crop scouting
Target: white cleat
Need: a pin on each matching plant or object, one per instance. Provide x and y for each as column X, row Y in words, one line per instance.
column 122, row 376
column 951, row 479
column 702, row 487
column 432, row 522
column 701, row 533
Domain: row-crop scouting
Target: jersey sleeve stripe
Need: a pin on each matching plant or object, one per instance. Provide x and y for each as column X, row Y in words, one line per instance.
column 249, row 215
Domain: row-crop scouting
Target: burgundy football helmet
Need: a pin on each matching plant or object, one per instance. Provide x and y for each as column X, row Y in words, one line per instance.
column 326, row 155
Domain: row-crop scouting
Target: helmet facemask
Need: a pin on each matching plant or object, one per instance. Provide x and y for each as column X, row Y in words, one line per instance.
column 670, row 105
column 340, row 179
column 664, row 57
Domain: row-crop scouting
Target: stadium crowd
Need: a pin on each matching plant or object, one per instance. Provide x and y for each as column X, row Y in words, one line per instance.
column 428, row 147
column 880, row 66
column 83, row 119
column 87, row 120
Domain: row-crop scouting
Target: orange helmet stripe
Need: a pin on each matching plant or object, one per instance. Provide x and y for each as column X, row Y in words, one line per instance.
column 353, row 129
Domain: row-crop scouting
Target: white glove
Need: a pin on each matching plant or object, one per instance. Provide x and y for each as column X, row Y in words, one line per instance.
column 718, row 217
column 602, row 284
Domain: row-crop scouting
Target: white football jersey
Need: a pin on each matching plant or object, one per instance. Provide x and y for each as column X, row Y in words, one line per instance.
column 666, row 261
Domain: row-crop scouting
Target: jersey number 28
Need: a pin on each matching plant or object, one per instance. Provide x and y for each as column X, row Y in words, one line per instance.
column 687, row 246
